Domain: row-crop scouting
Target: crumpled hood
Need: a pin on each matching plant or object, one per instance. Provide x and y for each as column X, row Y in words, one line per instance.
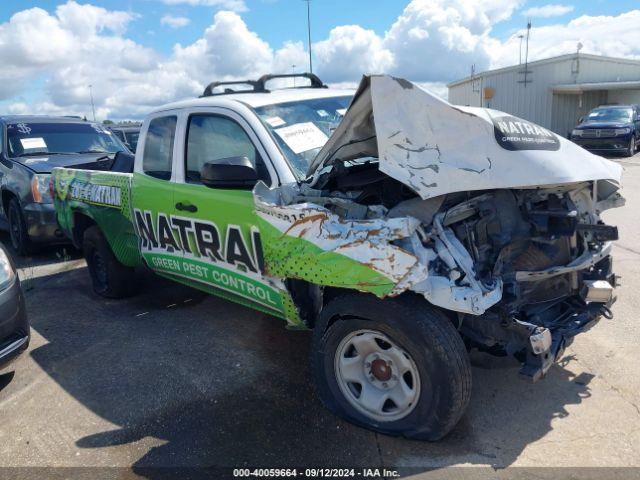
column 437, row 148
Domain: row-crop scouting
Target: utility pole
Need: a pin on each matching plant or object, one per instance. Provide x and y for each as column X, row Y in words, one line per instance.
column 93, row 108
column 293, row 71
column 520, row 54
column 526, row 71
column 309, row 32
column 526, row 54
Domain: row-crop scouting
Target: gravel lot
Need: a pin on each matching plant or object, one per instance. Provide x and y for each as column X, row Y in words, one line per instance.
column 172, row 377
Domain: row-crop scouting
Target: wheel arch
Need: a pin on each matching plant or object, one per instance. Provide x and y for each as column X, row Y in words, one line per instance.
column 81, row 222
column 323, row 322
column 6, row 196
column 310, row 298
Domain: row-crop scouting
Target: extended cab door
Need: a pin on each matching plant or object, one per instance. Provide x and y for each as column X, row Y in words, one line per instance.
column 152, row 194
column 217, row 227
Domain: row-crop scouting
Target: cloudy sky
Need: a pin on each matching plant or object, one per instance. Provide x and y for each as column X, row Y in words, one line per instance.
column 138, row 54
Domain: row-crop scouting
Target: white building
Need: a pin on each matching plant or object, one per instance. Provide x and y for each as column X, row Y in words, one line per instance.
column 554, row 92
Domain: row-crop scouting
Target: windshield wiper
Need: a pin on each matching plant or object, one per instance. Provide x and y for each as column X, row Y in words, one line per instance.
column 42, row 154
column 95, row 151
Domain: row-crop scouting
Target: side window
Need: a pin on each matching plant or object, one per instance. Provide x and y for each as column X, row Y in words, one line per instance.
column 211, row 138
column 158, row 147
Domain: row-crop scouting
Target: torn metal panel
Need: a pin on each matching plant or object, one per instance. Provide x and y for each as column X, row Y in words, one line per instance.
column 366, row 241
column 390, row 246
column 469, row 296
column 437, row 148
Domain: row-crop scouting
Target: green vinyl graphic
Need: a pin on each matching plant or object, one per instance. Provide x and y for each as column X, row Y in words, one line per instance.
column 103, row 197
column 223, row 277
column 210, row 239
column 292, row 257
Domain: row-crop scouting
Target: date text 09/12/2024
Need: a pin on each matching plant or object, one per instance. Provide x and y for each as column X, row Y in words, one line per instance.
column 315, row 473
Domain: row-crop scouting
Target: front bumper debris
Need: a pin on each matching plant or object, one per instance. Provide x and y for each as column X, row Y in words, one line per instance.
column 546, row 346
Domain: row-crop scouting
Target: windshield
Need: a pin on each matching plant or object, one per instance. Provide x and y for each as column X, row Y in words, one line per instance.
column 49, row 138
column 609, row 115
column 302, row 128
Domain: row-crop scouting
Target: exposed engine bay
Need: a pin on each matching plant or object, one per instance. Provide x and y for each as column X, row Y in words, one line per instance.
column 519, row 266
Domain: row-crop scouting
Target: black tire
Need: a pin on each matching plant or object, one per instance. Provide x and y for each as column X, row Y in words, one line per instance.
column 18, row 233
column 425, row 333
column 109, row 277
column 631, row 150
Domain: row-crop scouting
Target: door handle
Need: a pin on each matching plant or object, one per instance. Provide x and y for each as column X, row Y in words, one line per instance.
column 186, row 207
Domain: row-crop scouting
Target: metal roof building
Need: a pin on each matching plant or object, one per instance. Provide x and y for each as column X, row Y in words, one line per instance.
column 554, row 92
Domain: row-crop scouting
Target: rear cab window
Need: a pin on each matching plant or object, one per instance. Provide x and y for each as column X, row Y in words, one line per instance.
column 157, row 157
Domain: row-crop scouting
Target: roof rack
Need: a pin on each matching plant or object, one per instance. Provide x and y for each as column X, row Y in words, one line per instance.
column 208, row 92
column 258, row 86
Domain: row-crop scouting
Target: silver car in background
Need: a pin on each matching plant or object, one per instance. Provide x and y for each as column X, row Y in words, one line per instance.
column 14, row 325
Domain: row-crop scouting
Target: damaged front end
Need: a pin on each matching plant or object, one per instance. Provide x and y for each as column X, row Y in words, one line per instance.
column 496, row 221
column 548, row 254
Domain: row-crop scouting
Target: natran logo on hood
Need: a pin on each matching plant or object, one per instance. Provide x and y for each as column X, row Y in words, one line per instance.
column 513, row 133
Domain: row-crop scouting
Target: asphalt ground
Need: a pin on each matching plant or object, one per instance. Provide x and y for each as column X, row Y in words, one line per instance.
column 175, row 378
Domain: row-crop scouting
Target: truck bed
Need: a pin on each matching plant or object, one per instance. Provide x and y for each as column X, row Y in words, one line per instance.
column 84, row 198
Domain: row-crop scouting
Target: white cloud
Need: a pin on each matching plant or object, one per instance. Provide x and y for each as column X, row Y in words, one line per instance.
column 351, row 51
column 87, row 20
column 174, row 22
column 432, row 42
column 546, row 11
column 233, row 5
column 615, row 36
column 292, row 53
column 227, row 49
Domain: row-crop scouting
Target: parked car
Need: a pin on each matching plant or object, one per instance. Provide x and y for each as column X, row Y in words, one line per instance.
column 31, row 147
column 609, row 129
column 398, row 227
column 128, row 134
column 14, row 326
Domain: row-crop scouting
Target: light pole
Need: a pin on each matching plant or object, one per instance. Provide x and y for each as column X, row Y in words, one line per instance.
column 526, row 54
column 293, row 72
column 93, row 108
column 520, row 57
column 309, row 32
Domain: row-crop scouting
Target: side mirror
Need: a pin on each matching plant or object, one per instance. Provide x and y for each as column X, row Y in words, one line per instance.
column 231, row 172
column 581, row 119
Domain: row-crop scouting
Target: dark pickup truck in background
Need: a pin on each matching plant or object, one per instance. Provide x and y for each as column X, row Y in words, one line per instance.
column 610, row 128
column 31, row 147
column 128, row 134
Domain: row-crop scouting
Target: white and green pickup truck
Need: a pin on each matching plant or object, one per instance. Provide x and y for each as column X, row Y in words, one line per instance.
column 403, row 230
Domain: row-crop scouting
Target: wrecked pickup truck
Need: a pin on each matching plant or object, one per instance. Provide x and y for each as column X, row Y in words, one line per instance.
column 403, row 230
